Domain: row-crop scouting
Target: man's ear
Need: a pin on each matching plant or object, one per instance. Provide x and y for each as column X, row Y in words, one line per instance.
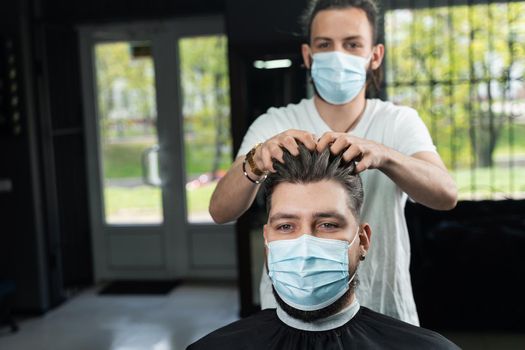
column 364, row 237
column 307, row 58
column 377, row 56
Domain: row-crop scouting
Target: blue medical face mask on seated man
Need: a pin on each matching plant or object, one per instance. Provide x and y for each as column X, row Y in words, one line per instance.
column 339, row 77
column 309, row 273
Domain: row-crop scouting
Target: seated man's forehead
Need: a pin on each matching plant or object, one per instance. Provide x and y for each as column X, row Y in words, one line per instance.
column 316, row 197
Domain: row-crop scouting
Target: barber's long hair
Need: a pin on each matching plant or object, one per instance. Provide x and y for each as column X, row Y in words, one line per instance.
column 311, row 167
column 370, row 7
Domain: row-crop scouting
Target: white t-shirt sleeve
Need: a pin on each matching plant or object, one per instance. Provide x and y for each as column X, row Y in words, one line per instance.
column 261, row 130
column 411, row 134
column 273, row 122
column 251, row 138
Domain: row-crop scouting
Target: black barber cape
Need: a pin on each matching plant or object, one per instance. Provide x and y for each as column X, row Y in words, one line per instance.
column 366, row 330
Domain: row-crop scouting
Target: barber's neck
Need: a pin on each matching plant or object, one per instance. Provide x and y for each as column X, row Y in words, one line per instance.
column 341, row 118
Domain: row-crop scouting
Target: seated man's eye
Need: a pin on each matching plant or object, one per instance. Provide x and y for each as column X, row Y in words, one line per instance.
column 328, row 225
column 284, row 227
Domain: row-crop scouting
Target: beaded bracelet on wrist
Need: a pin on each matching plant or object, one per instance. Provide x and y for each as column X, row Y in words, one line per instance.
column 248, row 176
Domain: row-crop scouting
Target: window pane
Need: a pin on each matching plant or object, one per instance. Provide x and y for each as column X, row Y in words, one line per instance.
column 206, row 112
column 128, row 133
column 462, row 68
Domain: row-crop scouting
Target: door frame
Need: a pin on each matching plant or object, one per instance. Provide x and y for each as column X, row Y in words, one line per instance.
column 182, row 245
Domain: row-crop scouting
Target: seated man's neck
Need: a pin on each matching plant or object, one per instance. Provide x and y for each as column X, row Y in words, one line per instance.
column 335, row 320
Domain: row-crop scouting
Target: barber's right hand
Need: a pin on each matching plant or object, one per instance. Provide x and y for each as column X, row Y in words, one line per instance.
column 271, row 148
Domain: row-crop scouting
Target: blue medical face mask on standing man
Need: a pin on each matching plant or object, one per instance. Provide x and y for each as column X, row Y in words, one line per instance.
column 338, row 77
column 309, row 273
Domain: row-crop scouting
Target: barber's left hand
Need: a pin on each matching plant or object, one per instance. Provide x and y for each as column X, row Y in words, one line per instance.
column 368, row 154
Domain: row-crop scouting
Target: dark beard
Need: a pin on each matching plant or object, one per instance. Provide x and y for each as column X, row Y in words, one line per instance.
column 311, row 316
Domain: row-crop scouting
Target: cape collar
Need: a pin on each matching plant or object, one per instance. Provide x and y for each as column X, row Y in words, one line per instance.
column 325, row 324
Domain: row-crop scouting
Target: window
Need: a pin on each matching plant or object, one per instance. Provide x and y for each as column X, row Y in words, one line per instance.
column 128, row 132
column 206, row 114
column 462, row 69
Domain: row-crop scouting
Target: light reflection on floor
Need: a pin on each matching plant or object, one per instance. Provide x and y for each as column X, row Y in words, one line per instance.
column 89, row 321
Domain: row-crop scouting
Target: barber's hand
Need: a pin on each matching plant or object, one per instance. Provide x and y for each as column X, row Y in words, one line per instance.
column 271, row 148
column 368, row 154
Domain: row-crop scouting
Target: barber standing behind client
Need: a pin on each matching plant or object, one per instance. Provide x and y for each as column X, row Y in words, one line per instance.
column 395, row 153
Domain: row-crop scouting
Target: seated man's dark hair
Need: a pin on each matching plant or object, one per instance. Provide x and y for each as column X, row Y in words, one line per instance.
column 312, row 166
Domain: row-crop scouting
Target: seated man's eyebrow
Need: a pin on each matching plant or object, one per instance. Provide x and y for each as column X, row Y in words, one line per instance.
column 280, row 216
column 331, row 214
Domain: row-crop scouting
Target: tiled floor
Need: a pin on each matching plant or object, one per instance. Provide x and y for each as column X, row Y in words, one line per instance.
column 93, row 322
column 170, row 322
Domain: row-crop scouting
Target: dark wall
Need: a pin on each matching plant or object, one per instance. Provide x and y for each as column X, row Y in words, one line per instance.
column 62, row 154
column 22, row 242
column 266, row 27
column 468, row 266
column 120, row 10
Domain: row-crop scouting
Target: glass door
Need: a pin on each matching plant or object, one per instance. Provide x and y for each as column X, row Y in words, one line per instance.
column 127, row 129
column 129, row 196
column 158, row 139
column 206, row 145
column 206, row 119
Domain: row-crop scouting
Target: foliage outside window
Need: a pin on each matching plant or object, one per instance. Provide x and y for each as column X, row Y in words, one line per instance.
column 462, row 69
column 128, row 124
column 206, row 112
column 127, row 128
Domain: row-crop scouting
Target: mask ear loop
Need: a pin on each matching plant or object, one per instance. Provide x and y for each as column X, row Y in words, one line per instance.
column 369, row 60
column 355, row 237
column 371, row 55
column 353, row 240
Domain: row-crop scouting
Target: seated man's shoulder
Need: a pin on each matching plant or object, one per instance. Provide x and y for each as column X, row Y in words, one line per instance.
column 393, row 331
column 239, row 334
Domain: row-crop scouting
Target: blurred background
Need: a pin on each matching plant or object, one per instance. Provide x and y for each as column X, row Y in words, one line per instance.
column 118, row 118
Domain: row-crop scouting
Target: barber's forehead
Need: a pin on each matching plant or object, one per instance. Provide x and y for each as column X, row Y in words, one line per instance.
column 342, row 23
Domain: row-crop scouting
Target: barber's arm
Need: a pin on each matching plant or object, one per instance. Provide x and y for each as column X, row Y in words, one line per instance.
column 233, row 195
column 422, row 176
column 235, row 192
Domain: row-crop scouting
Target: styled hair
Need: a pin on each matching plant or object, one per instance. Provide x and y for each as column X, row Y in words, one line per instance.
column 311, row 167
column 371, row 10
column 315, row 6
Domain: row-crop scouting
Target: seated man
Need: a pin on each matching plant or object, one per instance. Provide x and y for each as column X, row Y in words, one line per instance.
column 314, row 243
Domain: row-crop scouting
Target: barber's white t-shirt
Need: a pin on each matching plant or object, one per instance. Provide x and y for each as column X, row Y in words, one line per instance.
column 384, row 276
